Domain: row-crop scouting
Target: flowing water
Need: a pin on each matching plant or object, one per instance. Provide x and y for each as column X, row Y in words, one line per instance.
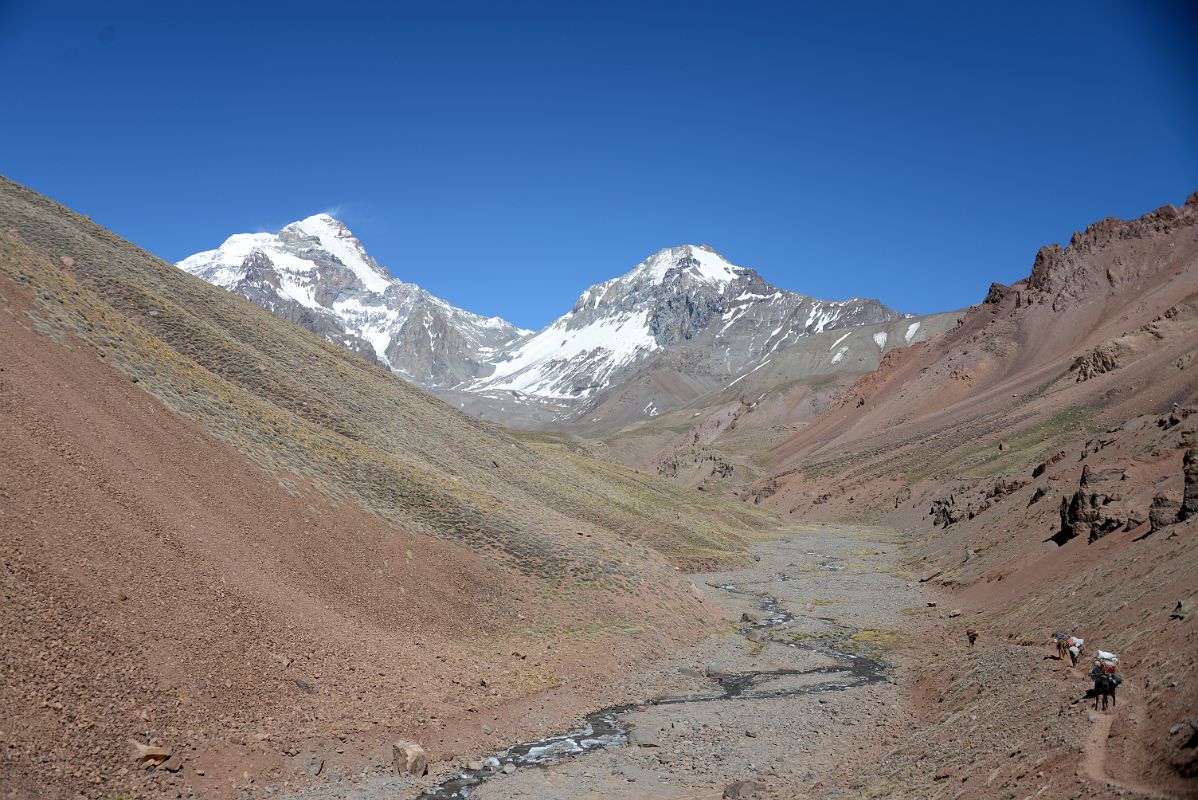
column 606, row 728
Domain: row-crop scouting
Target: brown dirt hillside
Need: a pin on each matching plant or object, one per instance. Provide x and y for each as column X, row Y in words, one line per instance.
column 295, row 404
column 1035, row 452
column 225, row 536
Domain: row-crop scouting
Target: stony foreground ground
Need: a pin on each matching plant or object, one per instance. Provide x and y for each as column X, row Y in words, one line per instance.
column 801, row 745
column 847, row 668
column 797, row 734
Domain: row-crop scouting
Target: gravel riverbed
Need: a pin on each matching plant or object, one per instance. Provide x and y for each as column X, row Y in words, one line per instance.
column 793, row 700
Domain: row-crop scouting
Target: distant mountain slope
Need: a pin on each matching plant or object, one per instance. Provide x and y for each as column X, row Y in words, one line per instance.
column 712, row 433
column 1025, row 341
column 315, row 273
column 678, row 326
column 1042, row 452
column 214, row 525
column 685, row 304
column 683, row 298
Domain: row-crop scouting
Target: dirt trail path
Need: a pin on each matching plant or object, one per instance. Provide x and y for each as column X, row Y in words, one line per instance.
column 1094, row 759
column 795, row 697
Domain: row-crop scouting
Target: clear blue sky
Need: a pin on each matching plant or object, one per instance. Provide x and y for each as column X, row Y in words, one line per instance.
column 506, row 155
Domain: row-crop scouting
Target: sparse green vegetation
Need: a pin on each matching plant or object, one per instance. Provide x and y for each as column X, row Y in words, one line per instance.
column 325, row 422
column 815, row 636
column 969, row 451
column 875, row 638
column 1029, row 444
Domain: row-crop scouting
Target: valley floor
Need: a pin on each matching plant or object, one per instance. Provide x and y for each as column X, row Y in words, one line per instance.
column 804, row 732
column 832, row 684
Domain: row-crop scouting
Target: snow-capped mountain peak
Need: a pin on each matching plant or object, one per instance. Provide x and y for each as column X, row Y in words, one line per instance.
column 316, row 273
column 685, row 297
column 684, row 268
column 686, row 303
column 334, row 238
column 694, row 262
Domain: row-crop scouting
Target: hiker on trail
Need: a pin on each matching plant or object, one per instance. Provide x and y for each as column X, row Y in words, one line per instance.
column 1068, row 645
column 1106, row 678
column 972, row 634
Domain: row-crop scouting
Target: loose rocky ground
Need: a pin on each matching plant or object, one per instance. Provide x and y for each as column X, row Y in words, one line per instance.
column 845, row 676
column 822, row 701
column 1040, row 454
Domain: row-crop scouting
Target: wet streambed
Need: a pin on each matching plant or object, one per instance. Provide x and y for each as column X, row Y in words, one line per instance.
column 606, row 727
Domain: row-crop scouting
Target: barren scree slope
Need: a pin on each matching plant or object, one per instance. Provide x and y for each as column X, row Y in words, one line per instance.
column 1044, row 455
column 226, row 536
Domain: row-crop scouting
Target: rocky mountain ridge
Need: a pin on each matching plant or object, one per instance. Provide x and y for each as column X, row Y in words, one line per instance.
column 1044, row 451
column 686, row 303
column 686, row 298
column 315, row 273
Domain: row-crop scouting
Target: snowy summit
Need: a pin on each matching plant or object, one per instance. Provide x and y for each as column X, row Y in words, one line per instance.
column 685, row 299
column 314, row 272
column 688, row 294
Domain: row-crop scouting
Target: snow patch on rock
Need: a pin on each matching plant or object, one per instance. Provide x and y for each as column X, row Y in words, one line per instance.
column 911, row 329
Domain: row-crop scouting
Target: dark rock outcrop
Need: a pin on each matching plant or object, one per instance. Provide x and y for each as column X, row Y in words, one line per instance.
column 972, row 511
column 945, row 512
column 1004, row 487
column 1163, row 512
column 1103, row 358
column 1043, row 467
column 759, row 493
column 997, row 293
column 1189, row 504
column 672, row 465
column 1095, row 509
column 1175, row 417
